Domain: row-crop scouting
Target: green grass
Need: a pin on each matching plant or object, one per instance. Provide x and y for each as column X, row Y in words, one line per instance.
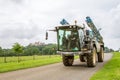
column 24, row 58
column 110, row 71
column 27, row 62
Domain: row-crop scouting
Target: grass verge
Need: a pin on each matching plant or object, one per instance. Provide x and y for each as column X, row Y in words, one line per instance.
column 12, row 66
column 110, row 71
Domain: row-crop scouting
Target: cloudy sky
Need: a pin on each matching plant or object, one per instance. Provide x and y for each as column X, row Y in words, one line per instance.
column 25, row 21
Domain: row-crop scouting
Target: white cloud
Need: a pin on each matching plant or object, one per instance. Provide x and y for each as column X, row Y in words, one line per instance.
column 26, row 21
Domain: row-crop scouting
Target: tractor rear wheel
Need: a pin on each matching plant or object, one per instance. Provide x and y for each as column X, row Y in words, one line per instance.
column 68, row 60
column 101, row 55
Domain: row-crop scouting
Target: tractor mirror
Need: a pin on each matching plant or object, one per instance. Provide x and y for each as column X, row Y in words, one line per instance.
column 46, row 35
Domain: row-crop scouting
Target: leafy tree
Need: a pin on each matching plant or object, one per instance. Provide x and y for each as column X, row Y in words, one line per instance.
column 17, row 48
column 49, row 49
column 35, row 51
column 31, row 50
column 28, row 51
column 111, row 50
column 1, row 51
column 106, row 50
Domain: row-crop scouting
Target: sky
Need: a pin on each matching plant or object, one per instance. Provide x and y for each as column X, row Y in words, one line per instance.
column 26, row 21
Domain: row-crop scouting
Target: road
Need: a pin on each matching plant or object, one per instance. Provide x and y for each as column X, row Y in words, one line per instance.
column 79, row 71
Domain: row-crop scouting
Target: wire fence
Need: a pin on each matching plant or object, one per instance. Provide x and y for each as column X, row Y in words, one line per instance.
column 25, row 58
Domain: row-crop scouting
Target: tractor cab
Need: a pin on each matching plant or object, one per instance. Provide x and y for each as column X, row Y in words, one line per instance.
column 68, row 38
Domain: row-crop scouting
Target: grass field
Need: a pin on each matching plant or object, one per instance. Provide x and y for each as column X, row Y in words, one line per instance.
column 110, row 71
column 27, row 62
column 25, row 58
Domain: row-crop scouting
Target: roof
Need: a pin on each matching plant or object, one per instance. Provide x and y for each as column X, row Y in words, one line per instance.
column 69, row 27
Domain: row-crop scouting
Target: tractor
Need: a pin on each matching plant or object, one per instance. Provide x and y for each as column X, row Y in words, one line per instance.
column 76, row 40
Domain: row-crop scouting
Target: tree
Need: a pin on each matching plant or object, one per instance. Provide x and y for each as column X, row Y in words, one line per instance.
column 1, row 51
column 49, row 49
column 17, row 48
column 106, row 50
column 111, row 50
column 34, row 51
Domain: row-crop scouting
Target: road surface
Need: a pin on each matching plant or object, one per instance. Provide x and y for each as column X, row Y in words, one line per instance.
column 79, row 71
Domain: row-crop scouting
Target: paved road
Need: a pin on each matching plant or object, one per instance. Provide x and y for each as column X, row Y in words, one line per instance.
column 79, row 71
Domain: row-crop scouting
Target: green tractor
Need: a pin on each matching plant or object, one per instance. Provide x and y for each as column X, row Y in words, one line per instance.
column 74, row 39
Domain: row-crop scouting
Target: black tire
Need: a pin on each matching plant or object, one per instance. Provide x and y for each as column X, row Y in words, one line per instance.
column 82, row 58
column 91, row 58
column 101, row 55
column 68, row 60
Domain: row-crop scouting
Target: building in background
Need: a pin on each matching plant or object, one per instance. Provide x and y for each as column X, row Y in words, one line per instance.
column 37, row 44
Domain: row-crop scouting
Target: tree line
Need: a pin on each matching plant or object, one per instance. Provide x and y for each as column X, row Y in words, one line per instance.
column 19, row 50
column 48, row 49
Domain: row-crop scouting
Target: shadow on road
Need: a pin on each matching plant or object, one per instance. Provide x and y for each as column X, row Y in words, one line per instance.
column 79, row 65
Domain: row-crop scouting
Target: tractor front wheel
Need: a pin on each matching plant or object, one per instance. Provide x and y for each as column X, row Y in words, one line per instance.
column 91, row 58
column 68, row 60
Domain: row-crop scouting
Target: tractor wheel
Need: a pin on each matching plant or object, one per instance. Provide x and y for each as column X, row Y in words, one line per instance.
column 101, row 55
column 68, row 60
column 82, row 58
column 91, row 58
